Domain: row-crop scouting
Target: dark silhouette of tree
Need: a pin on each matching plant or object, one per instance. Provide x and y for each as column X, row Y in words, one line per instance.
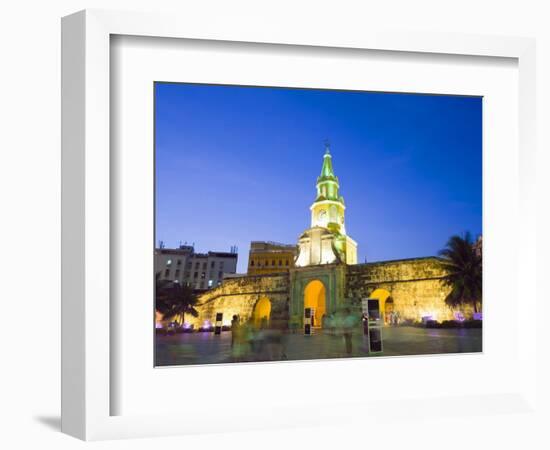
column 174, row 299
column 464, row 271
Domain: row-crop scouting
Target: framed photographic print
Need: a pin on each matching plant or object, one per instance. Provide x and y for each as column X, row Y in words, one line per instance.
column 300, row 294
column 279, row 222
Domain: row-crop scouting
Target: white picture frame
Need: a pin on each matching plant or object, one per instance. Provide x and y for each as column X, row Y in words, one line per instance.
column 86, row 239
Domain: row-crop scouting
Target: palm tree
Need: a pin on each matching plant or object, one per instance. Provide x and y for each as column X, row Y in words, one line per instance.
column 174, row 299
column 464, row 271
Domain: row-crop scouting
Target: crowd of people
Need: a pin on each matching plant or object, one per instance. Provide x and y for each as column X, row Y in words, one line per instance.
column 392, row 318
column 256, row 341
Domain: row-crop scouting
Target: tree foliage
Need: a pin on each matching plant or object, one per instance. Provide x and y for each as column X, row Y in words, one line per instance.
column 174, row 299
column 464, row 271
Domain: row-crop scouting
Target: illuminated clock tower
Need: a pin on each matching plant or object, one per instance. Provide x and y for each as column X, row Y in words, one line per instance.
column 326, row 242
column 327, row 210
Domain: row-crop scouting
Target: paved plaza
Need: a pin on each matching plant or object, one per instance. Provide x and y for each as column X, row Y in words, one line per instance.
column 207, row 348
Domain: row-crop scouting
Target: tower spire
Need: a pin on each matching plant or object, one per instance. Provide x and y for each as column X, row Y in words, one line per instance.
column 327, row 172
column 327, row 223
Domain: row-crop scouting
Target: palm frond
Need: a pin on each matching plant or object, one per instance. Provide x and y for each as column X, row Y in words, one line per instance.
column 463, row 266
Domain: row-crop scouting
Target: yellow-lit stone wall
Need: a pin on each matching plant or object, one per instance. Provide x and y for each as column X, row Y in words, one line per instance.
column 239, row 296
column 414, row 285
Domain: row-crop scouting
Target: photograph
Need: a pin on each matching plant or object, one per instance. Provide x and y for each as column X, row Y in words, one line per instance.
column 300, row 224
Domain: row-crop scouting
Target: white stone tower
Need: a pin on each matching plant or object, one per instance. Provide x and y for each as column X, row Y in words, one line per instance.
column 326, row 242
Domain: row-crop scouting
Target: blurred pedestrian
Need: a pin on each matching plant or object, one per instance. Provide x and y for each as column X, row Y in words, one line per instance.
column 239, row 344
column 365, row 324
column 347, row 325
column 235, row 328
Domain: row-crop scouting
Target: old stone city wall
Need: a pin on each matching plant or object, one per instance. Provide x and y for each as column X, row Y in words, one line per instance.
column 414, row 285
column 239, row 296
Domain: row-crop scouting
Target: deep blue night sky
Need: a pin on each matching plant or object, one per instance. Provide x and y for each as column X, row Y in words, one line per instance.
column 235, row 164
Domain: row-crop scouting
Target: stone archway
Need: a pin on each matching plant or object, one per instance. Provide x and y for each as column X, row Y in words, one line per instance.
column 262, row 313
column 386, row 303
column 315, row 298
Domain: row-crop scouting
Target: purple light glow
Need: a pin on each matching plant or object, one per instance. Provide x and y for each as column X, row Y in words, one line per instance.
column 459, row 316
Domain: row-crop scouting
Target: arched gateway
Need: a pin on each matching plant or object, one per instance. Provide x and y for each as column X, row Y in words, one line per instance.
column 386, row 303
column 315, row 298
column 262, row 312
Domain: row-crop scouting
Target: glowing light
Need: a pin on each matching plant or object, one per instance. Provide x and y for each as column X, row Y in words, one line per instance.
column 459, row 316
column 158, row 325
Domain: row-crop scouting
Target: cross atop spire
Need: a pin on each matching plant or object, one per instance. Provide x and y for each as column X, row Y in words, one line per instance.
column 327, row 146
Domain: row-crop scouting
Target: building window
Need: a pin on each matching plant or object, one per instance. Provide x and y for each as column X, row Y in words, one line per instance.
column 202, row 284
column 196, row 274
column 186, row 274
column 220, row 275
column 178, row 262
column 252, row 263
column 177, row 274
column 212, row 264
column 280, row 262
column 203, row 266
column 286, row 262
column 189, row 265
column 197, row 265
column 273, row 262
column 169, row 262
column 166, row 273
column 203, row 275
column 209, row 283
